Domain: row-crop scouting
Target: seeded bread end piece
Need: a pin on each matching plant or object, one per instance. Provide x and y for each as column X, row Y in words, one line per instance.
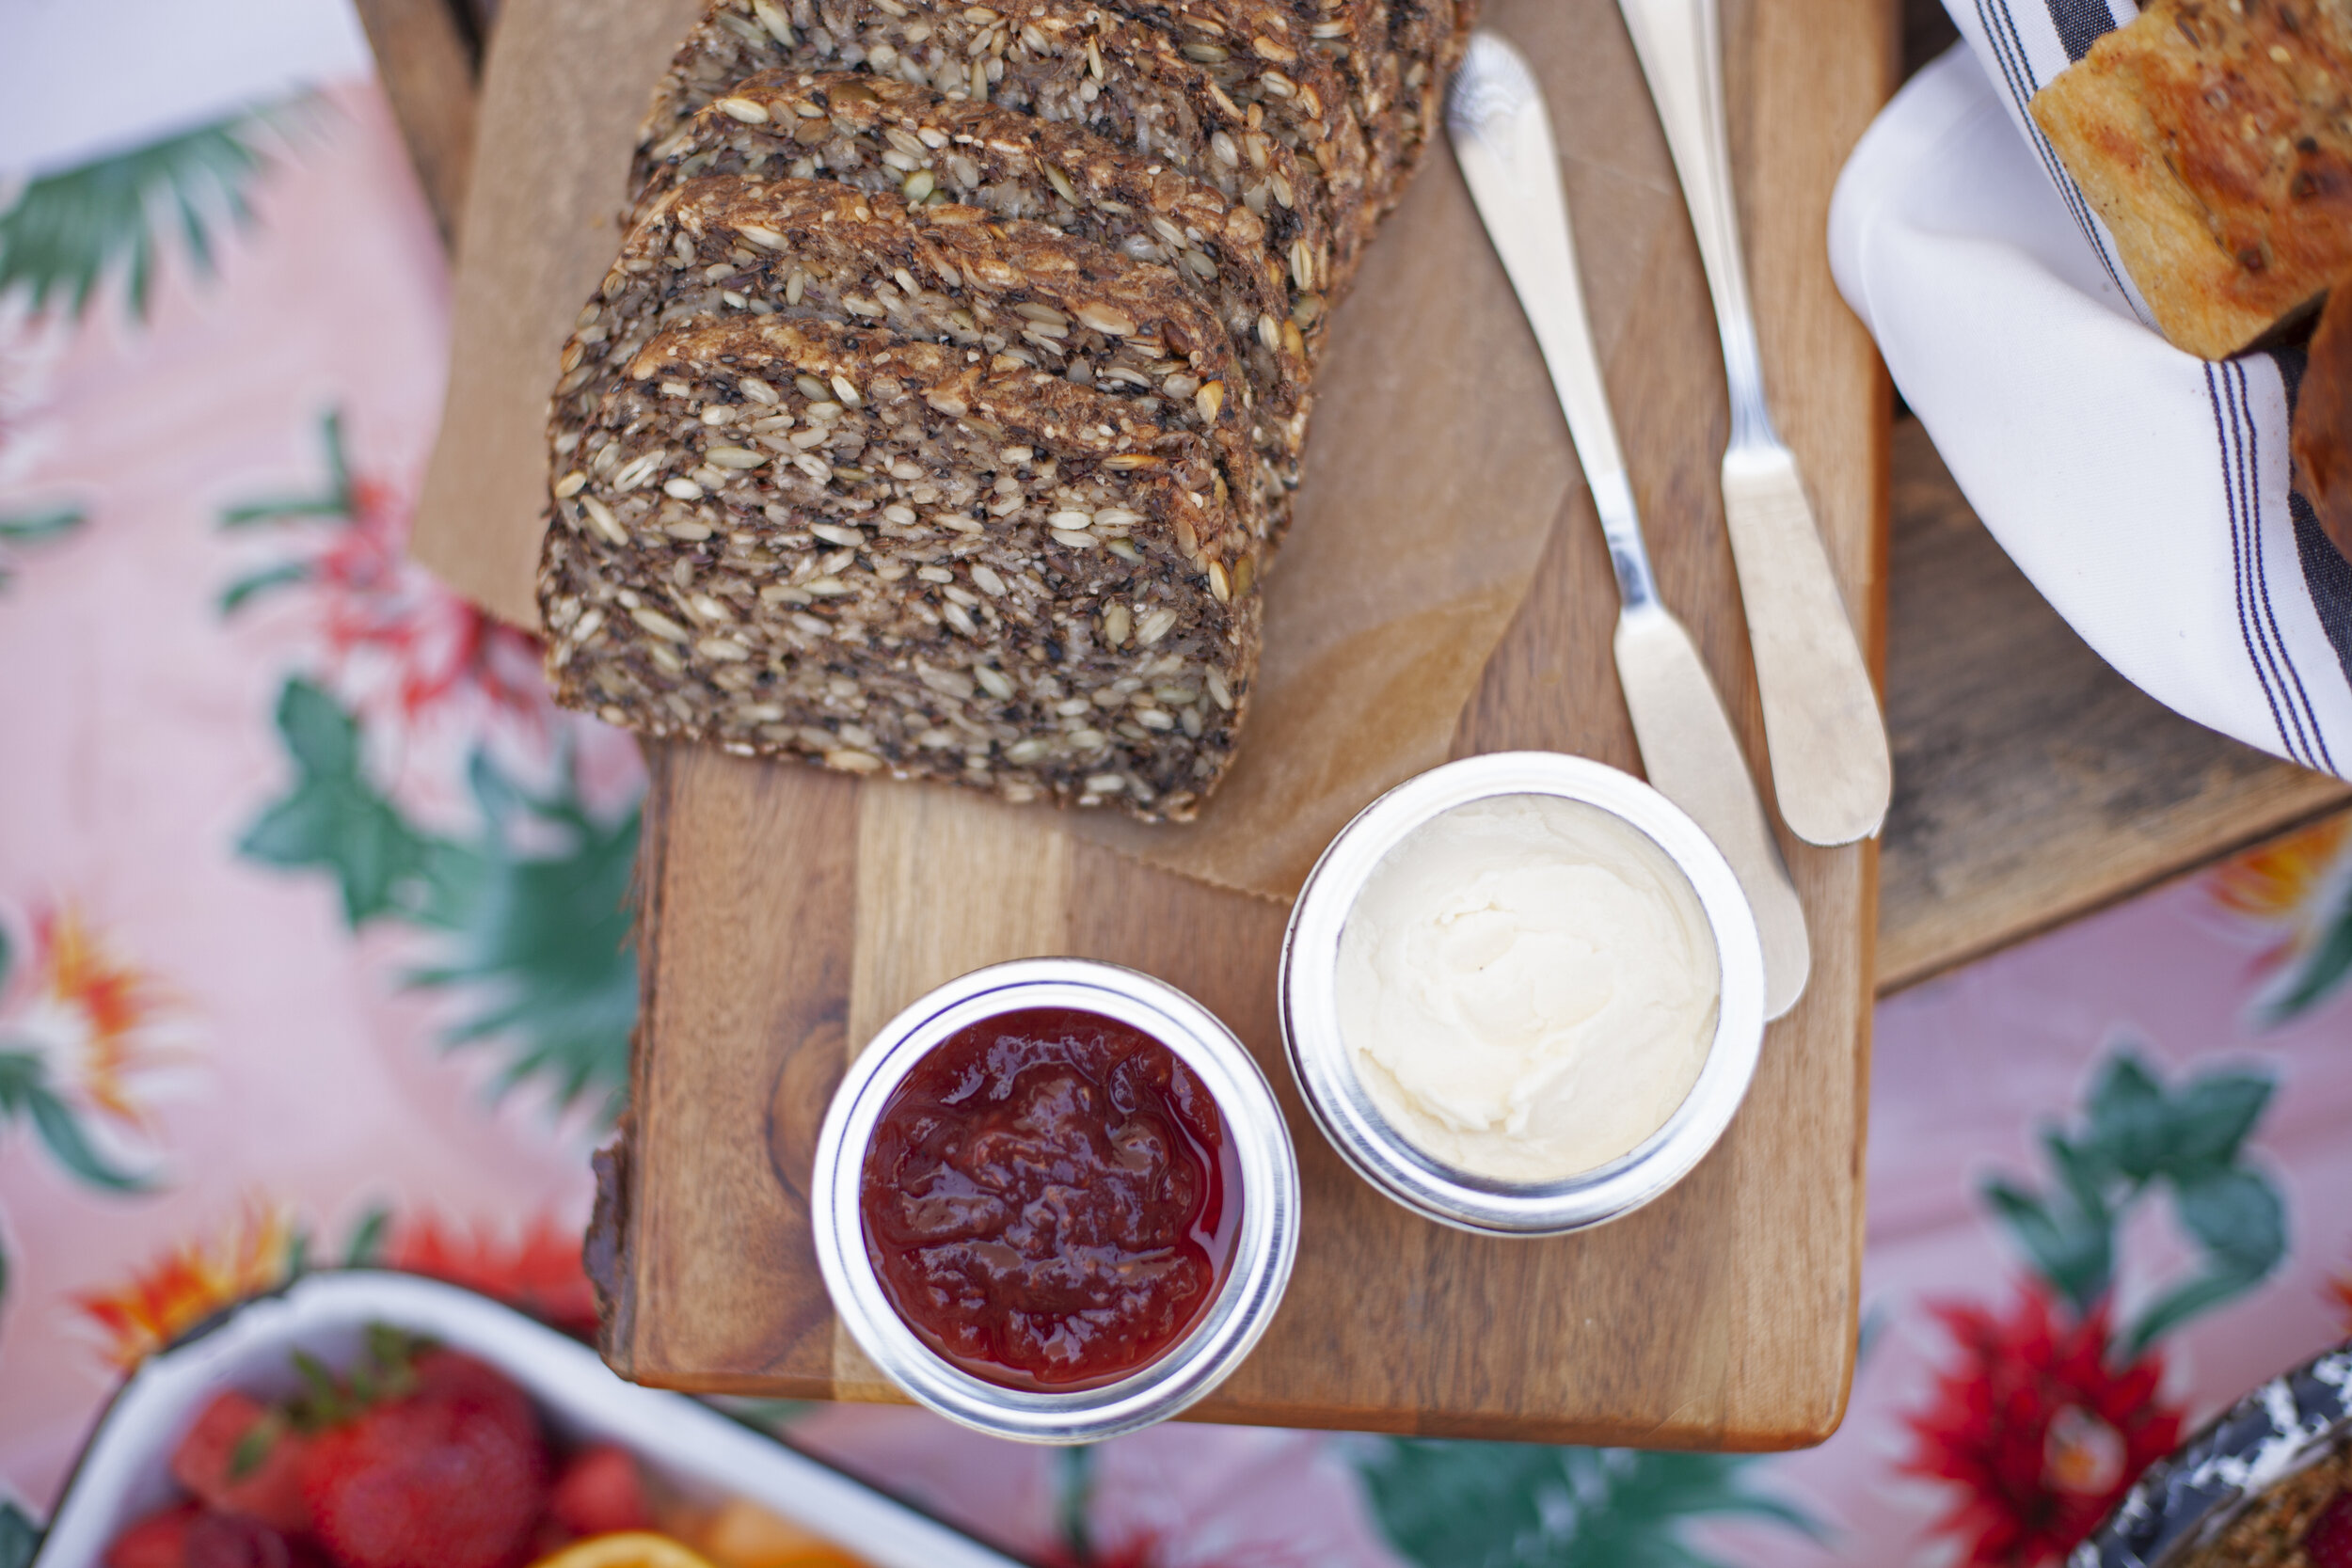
column 827, row 542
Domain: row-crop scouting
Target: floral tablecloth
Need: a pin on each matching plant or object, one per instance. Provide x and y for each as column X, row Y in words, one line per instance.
column 312, row 948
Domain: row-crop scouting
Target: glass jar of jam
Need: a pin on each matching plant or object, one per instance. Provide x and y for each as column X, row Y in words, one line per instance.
column 1049, row 1198
column 1056, row 1200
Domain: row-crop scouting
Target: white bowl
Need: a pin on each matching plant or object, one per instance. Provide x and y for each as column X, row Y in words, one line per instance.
column 123, row 1474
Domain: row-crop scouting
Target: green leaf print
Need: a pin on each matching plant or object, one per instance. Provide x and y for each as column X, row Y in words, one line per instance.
column 25, row 1092
column 334, row 817
column 334, row 501
column 530, row 918
column 19, row 1538
column 2323, row 971
column 232, row 598
column 2137, row 1140
column 544, row 939
column 1508, row 1505
column 68, row 230
column 2241, row 1225
column 38, row 528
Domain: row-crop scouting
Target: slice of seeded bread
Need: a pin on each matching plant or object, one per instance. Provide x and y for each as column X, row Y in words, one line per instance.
column 909, row 145
column 2214, row 137
column 801, row 538
column 1002, row 292
column 1135, row 83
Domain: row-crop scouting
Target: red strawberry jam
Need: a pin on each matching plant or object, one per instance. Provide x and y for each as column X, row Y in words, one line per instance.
column 1050, row 1199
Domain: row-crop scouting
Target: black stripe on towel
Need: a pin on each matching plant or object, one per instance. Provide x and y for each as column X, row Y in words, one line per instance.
column 2249, row 476
column 2017, row 71
column 2326, row 573
column 2223, row 432
column 2080, row 23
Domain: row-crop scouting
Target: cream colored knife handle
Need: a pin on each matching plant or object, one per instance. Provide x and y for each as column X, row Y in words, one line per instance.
column 1691, row 757
column 1831, row 766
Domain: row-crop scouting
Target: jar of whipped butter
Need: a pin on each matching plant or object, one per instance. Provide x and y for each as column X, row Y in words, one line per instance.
column 1523, row 993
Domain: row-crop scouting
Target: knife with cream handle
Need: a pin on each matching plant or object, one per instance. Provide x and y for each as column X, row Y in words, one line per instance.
column 1502, row 139
column 1831, row 769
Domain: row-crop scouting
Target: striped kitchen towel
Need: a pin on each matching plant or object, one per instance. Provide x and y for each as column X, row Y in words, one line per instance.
column 2143, row 491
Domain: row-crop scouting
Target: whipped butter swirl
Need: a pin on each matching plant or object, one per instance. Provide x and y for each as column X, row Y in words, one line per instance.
column 1527, row 988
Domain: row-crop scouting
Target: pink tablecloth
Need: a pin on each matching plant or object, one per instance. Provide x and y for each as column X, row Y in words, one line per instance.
column 309, row 899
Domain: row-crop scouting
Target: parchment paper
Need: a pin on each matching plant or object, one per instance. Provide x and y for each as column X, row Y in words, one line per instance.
column 1436, row 463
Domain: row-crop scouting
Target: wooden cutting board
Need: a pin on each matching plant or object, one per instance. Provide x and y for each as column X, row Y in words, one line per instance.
column 787, row 912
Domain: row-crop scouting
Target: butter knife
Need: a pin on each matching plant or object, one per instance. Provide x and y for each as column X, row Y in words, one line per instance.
column 1502, row 138
column 1829, row 764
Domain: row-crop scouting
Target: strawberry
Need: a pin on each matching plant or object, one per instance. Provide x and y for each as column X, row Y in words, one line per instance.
column 241, row 1458
column 238, row 1540
column 158, row 1540
column 480, row 1387
column 449, row 1472
column 600, row 1492
column 2328, row 1545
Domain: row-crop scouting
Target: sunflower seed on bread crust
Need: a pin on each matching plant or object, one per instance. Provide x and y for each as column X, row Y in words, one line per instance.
column 909, row 145
column 1003, row 291
column 1126, row 80
column 961, row 577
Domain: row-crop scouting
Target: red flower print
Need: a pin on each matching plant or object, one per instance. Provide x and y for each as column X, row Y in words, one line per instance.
column 398, row 645
column 190, row 1282
column 98, row 1011
column 2038, row 1434
column 539, row 1272
column 398, row 636
column 2340, row 1293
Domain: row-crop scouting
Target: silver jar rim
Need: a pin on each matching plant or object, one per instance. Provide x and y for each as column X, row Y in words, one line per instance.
column 1264, row 1247
column 1344, row 1108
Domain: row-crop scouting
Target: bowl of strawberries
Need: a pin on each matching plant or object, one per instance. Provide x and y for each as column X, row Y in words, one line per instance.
column 362, row 1419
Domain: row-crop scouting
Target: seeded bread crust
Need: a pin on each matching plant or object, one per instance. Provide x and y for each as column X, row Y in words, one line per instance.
column 1123, row 79
column 2214, row 137
column 1013, row 294
column 904, row 144
column 827, row 542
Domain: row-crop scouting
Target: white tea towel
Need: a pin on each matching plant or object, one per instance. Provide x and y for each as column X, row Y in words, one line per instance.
column 2143, row 491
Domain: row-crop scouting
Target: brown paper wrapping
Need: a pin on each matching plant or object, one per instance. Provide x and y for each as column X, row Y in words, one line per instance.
column 1418, row 528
